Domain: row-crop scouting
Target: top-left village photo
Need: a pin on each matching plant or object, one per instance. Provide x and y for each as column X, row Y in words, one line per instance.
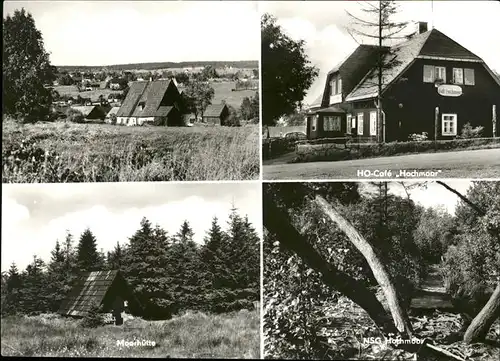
column 97, row 91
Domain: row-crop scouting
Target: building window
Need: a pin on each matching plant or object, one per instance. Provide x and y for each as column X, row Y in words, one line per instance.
column 349, row 126
column 449, row 124
column 440, row 73
column 373, row 123
column 314, row 123
column 458, row 76
column 360, row 123
column 469, row 76
column 331, row 123
column 429, row 74
column 335, row 86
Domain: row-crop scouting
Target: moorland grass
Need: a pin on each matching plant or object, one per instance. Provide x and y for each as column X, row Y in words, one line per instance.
column 191, row 335
column 69, row 152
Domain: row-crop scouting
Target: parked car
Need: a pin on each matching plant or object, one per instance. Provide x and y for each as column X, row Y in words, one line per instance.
column 295, row 136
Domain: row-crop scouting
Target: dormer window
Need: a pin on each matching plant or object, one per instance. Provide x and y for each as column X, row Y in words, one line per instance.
column 335, row 86
column 142, row 105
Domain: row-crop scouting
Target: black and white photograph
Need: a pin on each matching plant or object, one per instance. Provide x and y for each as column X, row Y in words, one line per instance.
column 117, row 91
column 405, row 270
column 380, row 89
column 169, row 270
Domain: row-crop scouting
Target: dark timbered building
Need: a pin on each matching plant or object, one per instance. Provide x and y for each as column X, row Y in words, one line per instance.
column 430, row 84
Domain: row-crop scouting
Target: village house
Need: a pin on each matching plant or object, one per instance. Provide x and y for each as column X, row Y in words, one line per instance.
column 216, row 114
column 432, row 84
column 151, row 102
column 91, row 113
column 111, row 115
column 106, row 289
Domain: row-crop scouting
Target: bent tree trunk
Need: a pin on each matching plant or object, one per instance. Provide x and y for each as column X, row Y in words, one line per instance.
column 277, row 222
column 379, row 271
column 481, row 324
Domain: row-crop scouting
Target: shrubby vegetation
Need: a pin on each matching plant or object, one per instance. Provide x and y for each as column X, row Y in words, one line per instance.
column 168, row 273
column 305, row 318
column 65, row 152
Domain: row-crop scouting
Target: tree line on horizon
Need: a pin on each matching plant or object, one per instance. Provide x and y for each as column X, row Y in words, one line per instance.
column 167, row 273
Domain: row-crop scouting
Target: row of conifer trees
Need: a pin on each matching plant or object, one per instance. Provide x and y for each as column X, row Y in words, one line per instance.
column 167, row 273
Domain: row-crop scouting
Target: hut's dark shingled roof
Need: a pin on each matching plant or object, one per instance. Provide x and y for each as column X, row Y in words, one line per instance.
column 214, row 110
column 91, row 288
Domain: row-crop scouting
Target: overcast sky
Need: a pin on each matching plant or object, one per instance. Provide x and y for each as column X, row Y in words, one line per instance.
column 473, row 24
column 429, row 193
column 121, row 32
column 34, row 216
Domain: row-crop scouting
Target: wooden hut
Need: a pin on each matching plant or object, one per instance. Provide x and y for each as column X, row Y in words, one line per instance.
column 107, row 289
column 216, row 114
column 91, row 113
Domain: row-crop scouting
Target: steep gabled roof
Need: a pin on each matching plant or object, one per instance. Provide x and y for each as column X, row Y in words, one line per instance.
column 214, row 110
column 401, row 55
column 163, row 111
column 440, row 45
column 362, row 52
column 150, row 93
column 152, row 97
column 431, row 44
column 91, row 287
column 84, row 109
column 112, row 111
column 130, row 102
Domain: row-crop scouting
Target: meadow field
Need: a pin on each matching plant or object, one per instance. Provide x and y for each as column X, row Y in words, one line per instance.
column 70, row 152
column 72, row 91
column 192, row 335
column 234, row 98
column 222, row 92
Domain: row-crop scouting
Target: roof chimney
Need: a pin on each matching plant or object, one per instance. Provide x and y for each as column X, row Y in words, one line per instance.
column 422, row 27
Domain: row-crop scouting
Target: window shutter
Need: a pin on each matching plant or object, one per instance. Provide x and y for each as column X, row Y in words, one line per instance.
column 348, row 123
column 428, row 74
column 469, row 77
column 339, row 86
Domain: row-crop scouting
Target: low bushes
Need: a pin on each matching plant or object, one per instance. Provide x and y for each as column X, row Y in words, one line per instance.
column 274, row 147
column 332, row 152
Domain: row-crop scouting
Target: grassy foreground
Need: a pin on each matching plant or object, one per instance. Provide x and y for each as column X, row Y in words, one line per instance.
column 192, row 335
column 69, row 152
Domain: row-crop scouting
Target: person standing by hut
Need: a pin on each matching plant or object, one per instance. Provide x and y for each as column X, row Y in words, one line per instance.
column 118, row 307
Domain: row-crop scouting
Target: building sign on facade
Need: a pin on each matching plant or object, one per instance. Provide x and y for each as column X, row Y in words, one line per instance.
column 448, row 90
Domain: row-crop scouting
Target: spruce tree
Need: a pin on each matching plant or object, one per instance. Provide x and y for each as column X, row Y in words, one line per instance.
column 87, row 257
column 145, row 267
column 115, row 258
column 56, row 278
column 70, row 267
column 185, row 269
column 217, row 268
column 11, row 289
column 244, row 255
column 34, row 298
